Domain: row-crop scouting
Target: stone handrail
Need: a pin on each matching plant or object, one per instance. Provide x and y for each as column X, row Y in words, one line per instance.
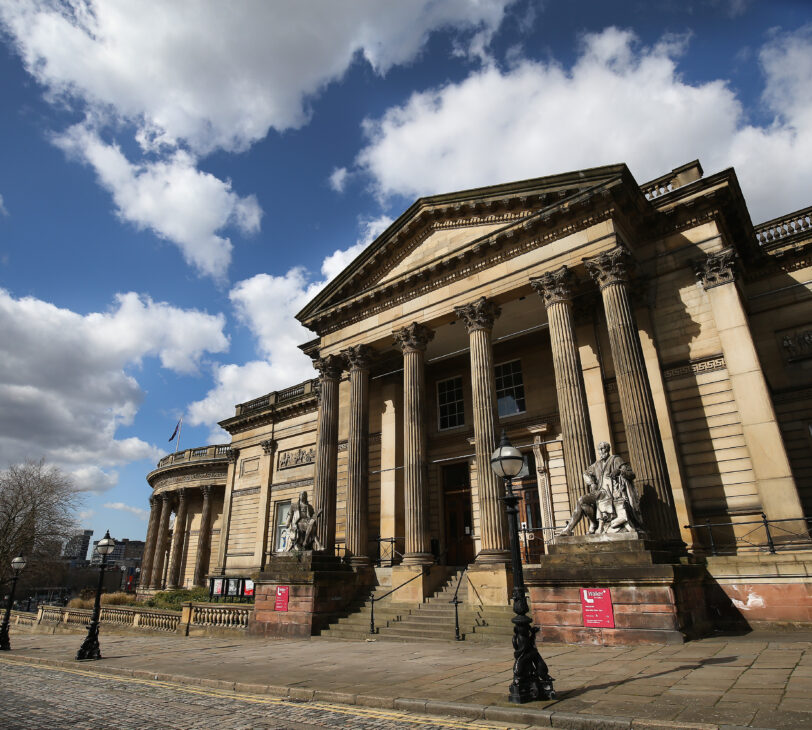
column 22, row 618
column 784, row 227
column 276, row 398
column 216, row 451
column 678, row 177
column 130, row 616
column 219, row 615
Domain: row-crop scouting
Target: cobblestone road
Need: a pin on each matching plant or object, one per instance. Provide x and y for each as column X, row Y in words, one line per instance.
column 34, row 698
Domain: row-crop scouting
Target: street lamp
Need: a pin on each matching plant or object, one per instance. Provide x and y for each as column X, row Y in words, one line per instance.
column 17, row 564
column 90, row 646
column 531, row 679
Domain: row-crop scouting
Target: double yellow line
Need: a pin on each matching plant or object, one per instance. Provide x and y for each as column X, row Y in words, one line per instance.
column 353, row 710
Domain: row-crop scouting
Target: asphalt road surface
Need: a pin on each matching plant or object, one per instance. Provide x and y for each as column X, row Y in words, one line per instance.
column 84, row 698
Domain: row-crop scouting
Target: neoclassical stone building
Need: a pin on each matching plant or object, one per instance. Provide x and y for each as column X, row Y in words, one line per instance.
column 566, row 310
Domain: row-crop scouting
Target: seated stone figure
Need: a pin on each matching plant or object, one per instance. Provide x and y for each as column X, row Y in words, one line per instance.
column 612, row 503
column 301, row 527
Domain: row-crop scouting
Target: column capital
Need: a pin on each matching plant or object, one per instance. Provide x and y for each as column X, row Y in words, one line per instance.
column 479, row 315
column 329, row 366
column 207, row 489
column 181, row 494
column 413, row 337
column 268, row 446
column 610, row 267
column 153, row 499
column 231, row 455
column 555, row 286
column 166, row 497
column 358, row 357
column 716, row 268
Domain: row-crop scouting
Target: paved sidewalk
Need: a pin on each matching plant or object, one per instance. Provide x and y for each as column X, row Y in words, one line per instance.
column 758, row 680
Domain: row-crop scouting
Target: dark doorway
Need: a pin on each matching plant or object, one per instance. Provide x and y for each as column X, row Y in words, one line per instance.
column 459, row 523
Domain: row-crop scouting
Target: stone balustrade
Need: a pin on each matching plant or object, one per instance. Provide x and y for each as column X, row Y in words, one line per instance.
column 783, row 228
column 275, row 398
column 678, row 177
column 216, row 451
column 204, row 617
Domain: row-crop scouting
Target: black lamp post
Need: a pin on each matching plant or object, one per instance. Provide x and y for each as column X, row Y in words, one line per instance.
column 90, row 646
column 531, row 679
column 17, row 564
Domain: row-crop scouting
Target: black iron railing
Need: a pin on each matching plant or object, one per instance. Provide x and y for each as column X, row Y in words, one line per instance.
column 385, row 551
column 770, row 536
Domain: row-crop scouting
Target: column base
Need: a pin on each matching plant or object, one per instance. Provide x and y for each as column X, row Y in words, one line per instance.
column 418, row 559
column 489, row 584
column 493, row 556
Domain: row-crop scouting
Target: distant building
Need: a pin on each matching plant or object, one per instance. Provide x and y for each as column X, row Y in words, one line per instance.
column 77, row 546
column 126, row 554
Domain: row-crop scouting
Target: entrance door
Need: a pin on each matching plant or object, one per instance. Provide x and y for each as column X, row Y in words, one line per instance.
column 459, row 524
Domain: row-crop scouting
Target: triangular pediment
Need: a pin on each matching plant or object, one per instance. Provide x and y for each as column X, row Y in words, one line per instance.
column 436, row 227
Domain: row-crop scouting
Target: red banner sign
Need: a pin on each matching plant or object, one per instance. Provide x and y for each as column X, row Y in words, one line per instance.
column 596, row 604
column 282, row 595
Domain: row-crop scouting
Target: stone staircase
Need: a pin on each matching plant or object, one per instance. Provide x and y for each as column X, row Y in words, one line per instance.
column 432, row 620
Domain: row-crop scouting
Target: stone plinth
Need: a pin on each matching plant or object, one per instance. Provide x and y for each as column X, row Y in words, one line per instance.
column 320, row 588
column 489, row 584
column 655, row 599
column 418, row 582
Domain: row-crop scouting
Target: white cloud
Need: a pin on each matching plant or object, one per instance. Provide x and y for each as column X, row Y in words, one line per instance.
column 171, row 197
column 141, row 514
column 619, row 102
column 65, row 388
column 3, row 209
column 189, row 78
column 337, row 179
column 266, row 305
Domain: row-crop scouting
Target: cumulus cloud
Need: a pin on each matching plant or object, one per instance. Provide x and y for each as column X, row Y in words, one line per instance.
column 267, row 304
column 337, row 179
column 190, row 78
column 619, row 102
column 3, row 209
column 141, row 514
column 65, row 388
column 171, row 197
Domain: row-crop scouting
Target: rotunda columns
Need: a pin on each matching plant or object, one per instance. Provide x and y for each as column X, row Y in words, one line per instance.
column 149, row 544
column 178, row 539
column 159, row 556
column 204, row 538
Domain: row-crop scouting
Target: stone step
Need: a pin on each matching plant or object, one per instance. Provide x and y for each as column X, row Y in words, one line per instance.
column 417, row 633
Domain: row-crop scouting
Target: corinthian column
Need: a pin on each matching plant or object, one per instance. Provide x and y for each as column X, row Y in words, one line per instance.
column 203, row 538
column 555, row 289
column 324, row 488
column 610, row 271
column 413, row 340
column 160, row 541
column 178, row 538
column 149, row 544
column 359, row 359
column 494, row 539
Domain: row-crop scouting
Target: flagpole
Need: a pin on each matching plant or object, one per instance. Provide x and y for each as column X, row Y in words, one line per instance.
column 180, row 428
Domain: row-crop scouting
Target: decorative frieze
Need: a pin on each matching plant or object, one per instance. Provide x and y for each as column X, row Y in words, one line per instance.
column 292, row 458
column 716, row 268
column 796, row 343
column 297, row 483
column 168, row 481
column 244, row 492
column 694, row 367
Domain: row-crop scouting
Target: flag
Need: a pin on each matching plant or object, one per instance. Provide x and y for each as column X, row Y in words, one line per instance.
column 175, row 432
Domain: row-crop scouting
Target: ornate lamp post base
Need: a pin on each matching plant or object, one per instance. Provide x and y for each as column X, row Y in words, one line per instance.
column 90, row 646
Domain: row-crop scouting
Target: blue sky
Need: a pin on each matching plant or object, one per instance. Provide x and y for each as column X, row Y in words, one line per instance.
column 178, row 179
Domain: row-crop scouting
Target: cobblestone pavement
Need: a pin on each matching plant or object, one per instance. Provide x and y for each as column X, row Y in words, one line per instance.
column 34, row 698
column 759, row 680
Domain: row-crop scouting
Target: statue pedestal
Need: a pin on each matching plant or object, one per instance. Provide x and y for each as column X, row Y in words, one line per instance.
column 315, row 589
column 616, row 589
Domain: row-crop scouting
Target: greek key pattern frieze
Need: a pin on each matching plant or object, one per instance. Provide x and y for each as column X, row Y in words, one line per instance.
column 695, row 367
column 294, row 484
column 245, row 492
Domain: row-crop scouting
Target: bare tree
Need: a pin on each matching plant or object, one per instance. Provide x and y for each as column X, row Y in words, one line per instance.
column 38, row 504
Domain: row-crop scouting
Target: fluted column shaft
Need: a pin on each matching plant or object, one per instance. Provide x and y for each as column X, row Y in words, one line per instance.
column 324, row 487
column 160, row 541
column 493, row 531
column 555, row 289
column 413, row 341
column 203, row 539
column 358, row 359
column 636, row 403
column 149, row 543
column 178, row 540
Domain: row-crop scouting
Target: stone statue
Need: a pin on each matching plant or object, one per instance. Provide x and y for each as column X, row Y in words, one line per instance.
column 612, row 504
column 301, row 527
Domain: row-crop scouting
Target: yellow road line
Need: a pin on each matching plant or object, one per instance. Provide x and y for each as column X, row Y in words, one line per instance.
column 340, row 709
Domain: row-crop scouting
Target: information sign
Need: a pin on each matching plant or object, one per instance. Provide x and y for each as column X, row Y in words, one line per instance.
column 233, row 587
column 248, row 587
column 217, row 587
column 596, row 604
column 281, row 602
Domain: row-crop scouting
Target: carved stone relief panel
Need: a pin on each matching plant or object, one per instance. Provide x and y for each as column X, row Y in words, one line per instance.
column 296, row 457
column 795, row 343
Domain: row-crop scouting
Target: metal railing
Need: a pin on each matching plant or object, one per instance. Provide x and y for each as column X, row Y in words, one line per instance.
column 770, row 536
column 386, row 551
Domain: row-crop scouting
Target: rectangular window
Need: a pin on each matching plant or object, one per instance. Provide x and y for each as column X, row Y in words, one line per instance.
column 282, row 512
column 509, row 388
column 450, row 403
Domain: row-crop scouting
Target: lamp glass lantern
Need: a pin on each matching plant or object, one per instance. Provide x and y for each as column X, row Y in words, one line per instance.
column 18, row 563
column 106, row 545
column 506, row 461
